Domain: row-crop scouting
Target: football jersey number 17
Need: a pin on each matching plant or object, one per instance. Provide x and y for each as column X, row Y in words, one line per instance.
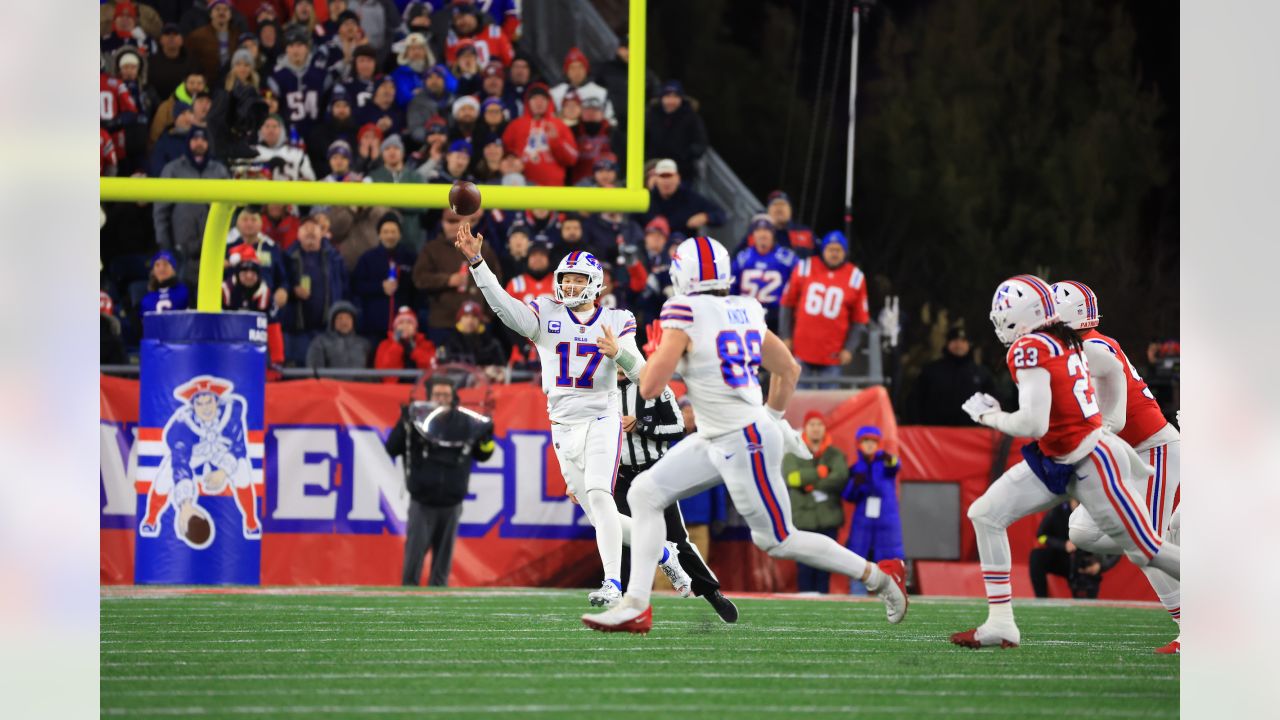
column 587, row 379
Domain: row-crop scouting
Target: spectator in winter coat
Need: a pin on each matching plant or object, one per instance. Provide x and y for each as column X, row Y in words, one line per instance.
column 394, row 170
column 456, row 166
column 339, row 346
column 785, row 232
column 339, row 125
column 673, row 129
column 354, row 231
column 519, row 77
column 442, row 274
column 169, row 67
column 471, row 343
column 243, row 94
column 762, row 269
column 876, row 532
column 466, row 114
column 211, row 45
column 814, row 486
column 382, row 111
column 604, row 173
column 954, row 375
column 245, row 290
column 270, row 46
column 363, row 78
column 414, row 59
column 280, row 223
column 576, row 72
column 110, row 341
column 378, row 20
column 368, row 150
column 541, row 140
column 130, row 69
column 494, row 87
column 470, row 30
column 180, row 226
column 487, row 168
column 405, row 348
column 684, row 209
column 466, row 70
column 286, row 161
column 319, row 281
column 165, row 291
column 300, row 78
column 592, row 137
column 493, row 118
column 341, row 47
column 379, row 283
column 573, row 237
column 185, row 93
column 125, row 32
column 173, row 143
column 270, row 258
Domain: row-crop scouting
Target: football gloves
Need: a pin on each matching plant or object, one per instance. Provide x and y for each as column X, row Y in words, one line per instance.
column 980, row 404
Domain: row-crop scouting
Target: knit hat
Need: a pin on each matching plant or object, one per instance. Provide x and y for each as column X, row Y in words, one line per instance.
column 244, row 257
column 412, row 40
column 777, row 196
column 180, row 107
column 491, row 102
column 868, row 431
column 364, row 51
column 166, row 256
column 297, row 35
column 242, row 56
column 672, row 87
column 440, row 70
column 760, row 221
column 956, row 333
column 575, row 55
column 369, row 128
column 405, row 313
column 339, row 147
column 658, row 225
column 436, row 125
column 537, row 88
column 392, row 140
column 198, row 132
column 461, row 146
column 471, row 307
column 125, row 7
column 128, row 57
column 346, row 15
column 607, row 161
column 494, row 69
column 814, row 414
column 388, row 217
column 835, row 236
column 466, row 45
column 465, row 101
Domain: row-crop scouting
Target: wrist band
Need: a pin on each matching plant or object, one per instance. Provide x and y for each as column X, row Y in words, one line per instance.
column 475, row 261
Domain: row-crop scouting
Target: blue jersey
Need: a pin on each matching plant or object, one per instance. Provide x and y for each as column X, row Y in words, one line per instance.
column 166, row 298
column 763, row 276
column 301, row 94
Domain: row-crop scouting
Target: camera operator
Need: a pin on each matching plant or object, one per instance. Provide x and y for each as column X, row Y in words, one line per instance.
column 438, row 441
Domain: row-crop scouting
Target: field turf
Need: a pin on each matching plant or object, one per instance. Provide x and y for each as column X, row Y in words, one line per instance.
column 489, row 653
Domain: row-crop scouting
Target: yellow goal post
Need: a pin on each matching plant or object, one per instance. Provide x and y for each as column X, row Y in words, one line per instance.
column 223, row 196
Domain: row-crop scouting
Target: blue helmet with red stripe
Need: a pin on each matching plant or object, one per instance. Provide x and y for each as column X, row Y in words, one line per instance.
column 1022, row 304
column 700, row 264
column 581, row 263
column 1076, row 304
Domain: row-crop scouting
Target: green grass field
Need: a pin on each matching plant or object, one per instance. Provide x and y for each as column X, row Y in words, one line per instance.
column 478, row 653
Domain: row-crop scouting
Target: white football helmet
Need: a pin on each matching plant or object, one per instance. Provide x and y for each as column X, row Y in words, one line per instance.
column 1021, row 304
column 700, row 264
column 582, row 263
column 1076, row 304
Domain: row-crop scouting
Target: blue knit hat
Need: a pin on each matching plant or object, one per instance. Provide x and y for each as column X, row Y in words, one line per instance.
column 835, row 236
column 868, row 431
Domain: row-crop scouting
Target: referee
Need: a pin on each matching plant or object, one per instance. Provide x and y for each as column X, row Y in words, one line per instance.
column 651, row 427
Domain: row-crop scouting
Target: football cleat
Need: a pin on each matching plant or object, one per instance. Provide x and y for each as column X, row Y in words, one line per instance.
column 894, row 594
column 625, row 617
column 1173, row 648
column 983, row 636
column 680, row 579
column 149, row 530
column 725, row 608
column 253, row 533
column 607, row 596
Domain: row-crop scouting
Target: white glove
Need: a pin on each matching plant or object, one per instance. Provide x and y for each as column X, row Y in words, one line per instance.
column 980, row 404
column 890, row 325
column 792, row 441
column 138, row 33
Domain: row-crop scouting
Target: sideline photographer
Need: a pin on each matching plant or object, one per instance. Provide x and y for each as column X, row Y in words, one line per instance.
column 438, row 441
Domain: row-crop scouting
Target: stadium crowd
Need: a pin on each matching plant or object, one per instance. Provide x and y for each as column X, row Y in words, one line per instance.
column 410, row 92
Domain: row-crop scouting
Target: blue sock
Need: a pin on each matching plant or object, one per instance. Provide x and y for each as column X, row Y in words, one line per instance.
column 617, row 583
column 666, row 555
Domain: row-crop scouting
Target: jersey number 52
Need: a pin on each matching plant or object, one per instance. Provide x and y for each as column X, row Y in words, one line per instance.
column 739, row 357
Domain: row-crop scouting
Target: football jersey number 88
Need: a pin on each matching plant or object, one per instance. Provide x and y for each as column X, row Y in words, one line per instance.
column 739, row 357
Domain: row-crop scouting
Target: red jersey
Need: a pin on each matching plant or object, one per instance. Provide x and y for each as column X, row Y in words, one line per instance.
column 1142, row 416
column 526, row 289
column 490, row 44
column 113, row 101
column 1074, row 411
column 824, row 302
column 106, row 152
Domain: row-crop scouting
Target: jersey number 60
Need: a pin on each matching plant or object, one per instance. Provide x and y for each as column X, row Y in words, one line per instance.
column 739, row 357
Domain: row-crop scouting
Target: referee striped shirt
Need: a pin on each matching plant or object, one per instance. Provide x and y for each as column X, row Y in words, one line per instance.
column 658, row 424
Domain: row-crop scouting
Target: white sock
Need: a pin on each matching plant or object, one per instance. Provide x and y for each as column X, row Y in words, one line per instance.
column 1168, row 590
column 648, row 533
column 604, row 515
column 818, row 550
column 1169, row 559
column 999, row 594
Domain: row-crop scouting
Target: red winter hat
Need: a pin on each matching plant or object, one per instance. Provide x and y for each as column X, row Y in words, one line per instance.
column 576, row 55
column 471, row 307
column 814, row 414
column 369, row 128
column 243, row 254
column 659, row 224
column 406, row 313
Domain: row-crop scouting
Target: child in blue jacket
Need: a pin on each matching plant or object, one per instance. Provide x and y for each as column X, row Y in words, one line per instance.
column 876, row 531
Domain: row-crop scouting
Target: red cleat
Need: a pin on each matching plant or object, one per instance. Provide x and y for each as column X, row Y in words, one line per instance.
column 969, row 639
column 1173, row 648
column 616, row 620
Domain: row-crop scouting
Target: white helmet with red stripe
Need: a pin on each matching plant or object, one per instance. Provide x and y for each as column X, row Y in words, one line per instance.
column 582, row 263
column 1022, row 304
column 1076, row 304
column 700, row 264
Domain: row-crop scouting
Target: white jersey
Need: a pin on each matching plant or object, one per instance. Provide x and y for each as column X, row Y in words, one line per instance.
column 721, row 367
column 580, row 382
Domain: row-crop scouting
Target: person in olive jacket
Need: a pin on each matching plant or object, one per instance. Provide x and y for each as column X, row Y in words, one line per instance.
column 814, row 486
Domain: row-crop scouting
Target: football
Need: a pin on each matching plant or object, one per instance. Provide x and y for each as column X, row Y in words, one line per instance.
column 464, row 198
column 198, row 530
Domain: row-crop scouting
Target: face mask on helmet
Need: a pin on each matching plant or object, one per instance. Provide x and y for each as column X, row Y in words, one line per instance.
column 579, row 263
